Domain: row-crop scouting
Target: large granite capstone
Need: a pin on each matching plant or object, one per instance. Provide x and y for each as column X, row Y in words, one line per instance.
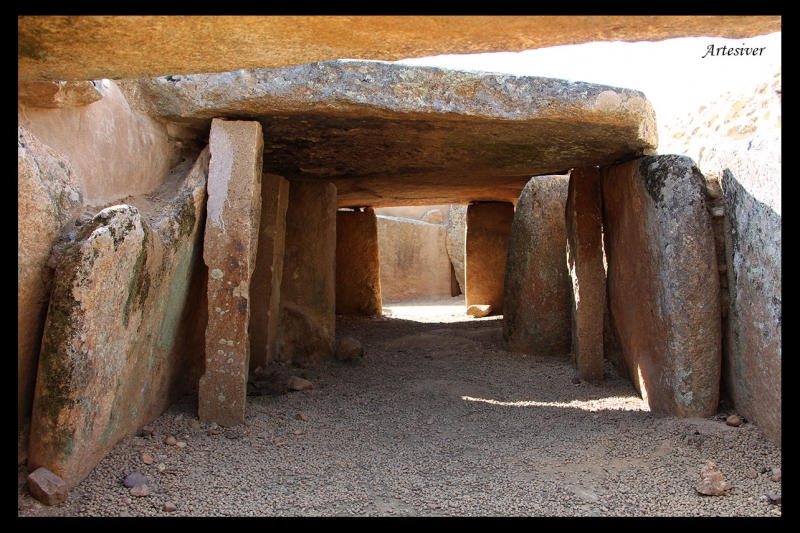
column 387, row 134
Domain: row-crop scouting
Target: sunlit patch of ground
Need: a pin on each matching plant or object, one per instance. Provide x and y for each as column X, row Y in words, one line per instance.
column 431, row 309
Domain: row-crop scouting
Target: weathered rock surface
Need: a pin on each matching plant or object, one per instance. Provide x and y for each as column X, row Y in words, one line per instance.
column 47, row 487
column 307, row 323
column 414, row 260
column 537, row 303
column 120, row 340
column 736, row 142
column 711, row 481
column 92, row 47
column 415, row 212
column 115, row 150
column 358, row 267
column 229, row 251
column 349, row 349
column 48, row 199
column 447, row 136
column 663, row 288
column 486, row 249
column 479, row 311
column 434, row 216
column 59, row 93
column 298, row 384
column 265, row 284
column 456, row 241
column 584, row 222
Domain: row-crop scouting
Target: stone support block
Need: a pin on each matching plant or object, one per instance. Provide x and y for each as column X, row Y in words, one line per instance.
column 536, row 318
column 231, row 240
column 584, row 222
column 486, row 249
column 358, row 280
column 414, row 260
column 307, row 323
column 265, row 286
column 120, row 340
column 663, row 285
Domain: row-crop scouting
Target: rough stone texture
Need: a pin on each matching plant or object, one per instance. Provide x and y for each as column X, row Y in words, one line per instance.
column 116, row 151
column 434, row 216
column 349, row 349
column 265, row 285
column 358, row 268
column 307, row 324
column 414, row 260
column 47, row 487
column 120, row 342
column 584, row 222
column 94, row 47
column 711, row 481
column 443, row 135
column 415, row 212
column 59, row 93
column 231, row 241
column 456, row 241
column 479, row 311
column 663, row 286
column 486, row 250
column 48, row 197
column 736, row 142
column 298, row 384
column 536, row 317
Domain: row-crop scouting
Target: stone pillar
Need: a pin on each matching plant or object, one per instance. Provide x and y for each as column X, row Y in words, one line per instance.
column 584, row 222
column 488, row 233
column 663, row 286
column 308, row 290
column 231, row 239
column 536, row 318
column 358, row 269
column 265, row 286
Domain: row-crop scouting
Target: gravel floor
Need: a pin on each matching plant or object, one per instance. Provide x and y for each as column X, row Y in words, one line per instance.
column 439, row 420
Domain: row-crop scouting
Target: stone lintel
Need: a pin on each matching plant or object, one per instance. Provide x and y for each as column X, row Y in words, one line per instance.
column 358, row 280
column 231, row 239
column 585, row 260
column 488, row 234
column 265, row 285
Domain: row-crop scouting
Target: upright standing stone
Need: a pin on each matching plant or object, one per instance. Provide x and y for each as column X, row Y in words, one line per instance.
column 48, row 196
column 231, row 238
column 536, row 319
column 414, row 261
column 358, row 269
column 307, row 324
column 663, row 286
column 584, row 221
column 456, row 234
column 486, row 249
column 265, row 286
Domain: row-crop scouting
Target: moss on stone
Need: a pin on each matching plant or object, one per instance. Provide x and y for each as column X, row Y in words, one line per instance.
column 139, row 284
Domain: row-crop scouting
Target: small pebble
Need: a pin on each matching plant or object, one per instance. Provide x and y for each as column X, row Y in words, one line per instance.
column 180, row 444
column 169, row 507
column 733, row 420
column 146, row 459
column 148, row 430
column 170, row 440
column 301, row 416
column 140, row 491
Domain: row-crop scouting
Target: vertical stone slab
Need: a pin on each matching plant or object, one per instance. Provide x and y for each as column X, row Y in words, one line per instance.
column 584, row 221
column 663, row 287
column 48, row 196
column 536, row 318
column 120, row 343
column 456, row 234
column 265, row 286
column 486, row 248
column 358, row 268
column 307, row 323
column 414, row 262
column 231, row 239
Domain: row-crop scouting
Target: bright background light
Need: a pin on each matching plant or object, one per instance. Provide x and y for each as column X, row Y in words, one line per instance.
column 672, row 74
